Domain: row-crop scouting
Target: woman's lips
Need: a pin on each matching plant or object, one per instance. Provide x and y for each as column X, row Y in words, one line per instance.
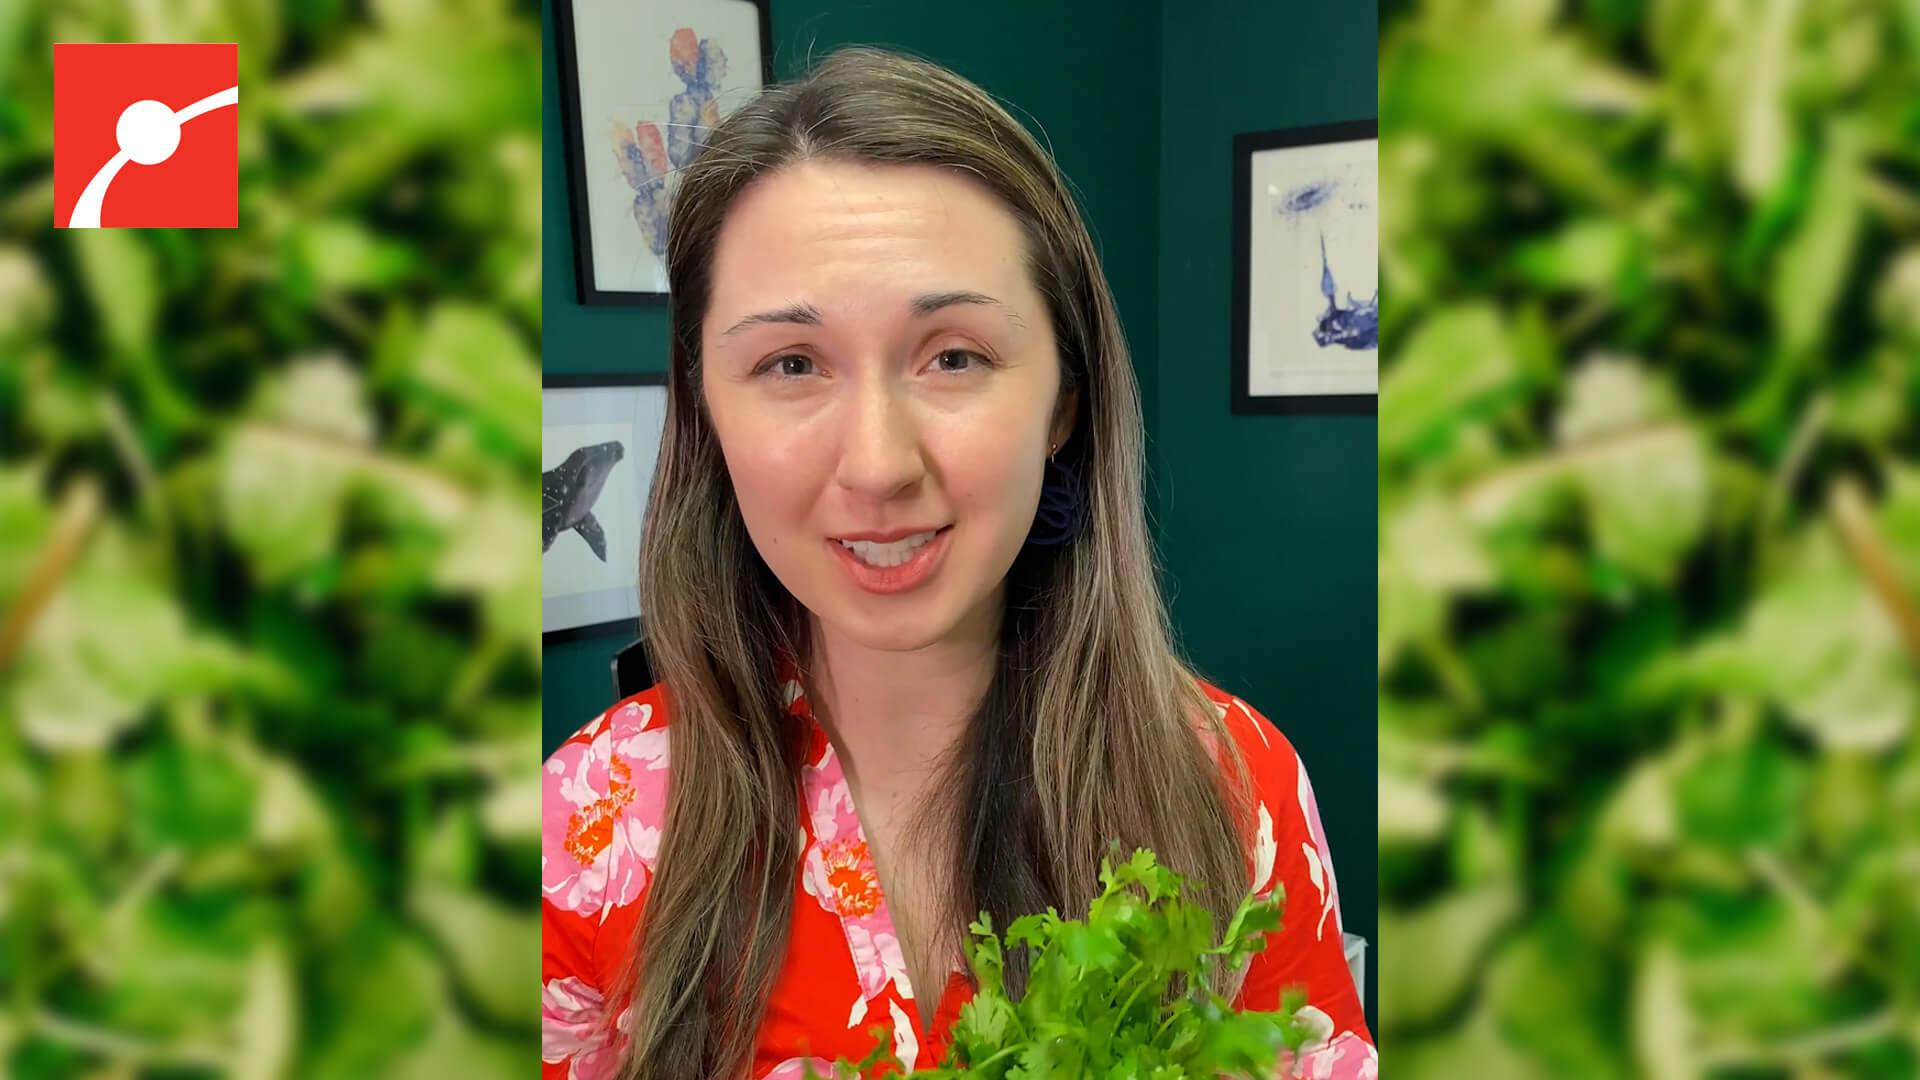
column 893, row 579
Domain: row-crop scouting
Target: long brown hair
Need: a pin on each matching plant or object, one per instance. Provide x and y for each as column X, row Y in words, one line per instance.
column 1090, row 728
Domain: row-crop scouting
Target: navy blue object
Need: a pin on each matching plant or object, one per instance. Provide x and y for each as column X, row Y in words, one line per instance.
column 1058, row 518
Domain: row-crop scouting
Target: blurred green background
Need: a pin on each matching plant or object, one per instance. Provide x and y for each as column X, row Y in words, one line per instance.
column 269, row 657
column 1650, row 539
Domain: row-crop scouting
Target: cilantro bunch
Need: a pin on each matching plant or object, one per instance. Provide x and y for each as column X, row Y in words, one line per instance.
column 1119, row 995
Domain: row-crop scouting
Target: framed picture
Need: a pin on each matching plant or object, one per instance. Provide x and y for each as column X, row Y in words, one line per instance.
column 599, row 438
column 640, row 86
column 1306, row 269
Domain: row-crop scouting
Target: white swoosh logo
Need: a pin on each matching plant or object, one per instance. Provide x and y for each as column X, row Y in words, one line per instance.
column 86, row 212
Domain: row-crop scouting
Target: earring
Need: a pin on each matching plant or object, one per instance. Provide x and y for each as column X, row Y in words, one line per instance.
column 1058, row 516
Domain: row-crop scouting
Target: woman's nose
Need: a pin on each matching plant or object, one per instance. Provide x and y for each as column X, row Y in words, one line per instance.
column 880, row 446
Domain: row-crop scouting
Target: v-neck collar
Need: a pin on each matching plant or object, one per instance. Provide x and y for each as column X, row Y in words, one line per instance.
column 839, row 862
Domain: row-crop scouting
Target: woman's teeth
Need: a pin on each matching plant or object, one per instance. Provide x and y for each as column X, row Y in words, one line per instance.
column 892, row 554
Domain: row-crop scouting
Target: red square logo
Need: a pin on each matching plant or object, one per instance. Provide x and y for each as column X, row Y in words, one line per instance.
column 146, row 136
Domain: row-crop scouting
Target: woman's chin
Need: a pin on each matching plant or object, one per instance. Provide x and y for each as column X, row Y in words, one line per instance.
column 889, row 631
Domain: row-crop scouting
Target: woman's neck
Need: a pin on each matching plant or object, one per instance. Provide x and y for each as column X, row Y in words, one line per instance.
column 891, row 715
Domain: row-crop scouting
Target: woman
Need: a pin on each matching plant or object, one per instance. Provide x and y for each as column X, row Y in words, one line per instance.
column 901, row 600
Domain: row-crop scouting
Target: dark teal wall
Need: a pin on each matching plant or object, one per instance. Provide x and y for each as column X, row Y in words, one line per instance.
column 1267, row 524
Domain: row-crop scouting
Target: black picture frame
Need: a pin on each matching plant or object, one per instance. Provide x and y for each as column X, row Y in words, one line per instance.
column 615, row 628
column 587, row 380
column 1245, row 146
column 587, row 289
column 594, row 381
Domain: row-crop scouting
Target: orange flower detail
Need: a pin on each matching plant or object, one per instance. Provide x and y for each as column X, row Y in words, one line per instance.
column 590, row 830
column 856, row 888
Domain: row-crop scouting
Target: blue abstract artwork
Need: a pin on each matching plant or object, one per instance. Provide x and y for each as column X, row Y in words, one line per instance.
column 1313, row 270
column 1354, row 325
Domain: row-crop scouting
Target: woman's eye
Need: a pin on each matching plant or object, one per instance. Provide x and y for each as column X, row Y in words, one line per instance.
column 791, row 366
column 941, row 361
column 948, row 361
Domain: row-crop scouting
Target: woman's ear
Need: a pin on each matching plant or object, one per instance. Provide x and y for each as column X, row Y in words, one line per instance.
column 1064, row 415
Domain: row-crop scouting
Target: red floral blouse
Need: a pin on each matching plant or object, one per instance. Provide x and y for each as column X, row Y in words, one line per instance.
column 605, row 796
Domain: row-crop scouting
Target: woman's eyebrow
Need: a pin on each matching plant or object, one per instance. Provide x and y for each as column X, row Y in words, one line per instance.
column 922, row 306
column 928, row 303
column 806, row 314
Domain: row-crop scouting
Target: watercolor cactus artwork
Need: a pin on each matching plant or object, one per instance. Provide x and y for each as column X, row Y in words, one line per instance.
column 647, row 159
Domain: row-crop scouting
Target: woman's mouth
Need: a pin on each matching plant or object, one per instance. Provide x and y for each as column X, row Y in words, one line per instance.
column 890, row 554
column 892, row 567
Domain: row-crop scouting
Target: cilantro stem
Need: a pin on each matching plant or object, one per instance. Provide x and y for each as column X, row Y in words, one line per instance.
column 996, row 1057
column 1172, row 1015
column 1131, row 998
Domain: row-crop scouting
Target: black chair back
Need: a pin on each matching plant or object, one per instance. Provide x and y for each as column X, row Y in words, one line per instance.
column 632, row 671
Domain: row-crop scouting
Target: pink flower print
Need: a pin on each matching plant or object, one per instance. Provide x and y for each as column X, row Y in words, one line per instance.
column 1319, row 858
column 1318, row 1023
column 1325, row 1057
column 573, row 1028
column 832, row 809
column 796, row 1069
column 877, row 959
column 841, row 875
column 611, row 793
column 1348, row 1057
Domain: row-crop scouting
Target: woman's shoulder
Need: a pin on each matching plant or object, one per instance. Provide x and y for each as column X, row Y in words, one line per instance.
column 603, row 801
column 1268, row 754
column 1289, row 855
column 1286, row 815
column 644, row 711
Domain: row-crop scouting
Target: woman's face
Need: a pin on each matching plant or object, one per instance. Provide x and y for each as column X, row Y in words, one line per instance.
column 875, row 360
